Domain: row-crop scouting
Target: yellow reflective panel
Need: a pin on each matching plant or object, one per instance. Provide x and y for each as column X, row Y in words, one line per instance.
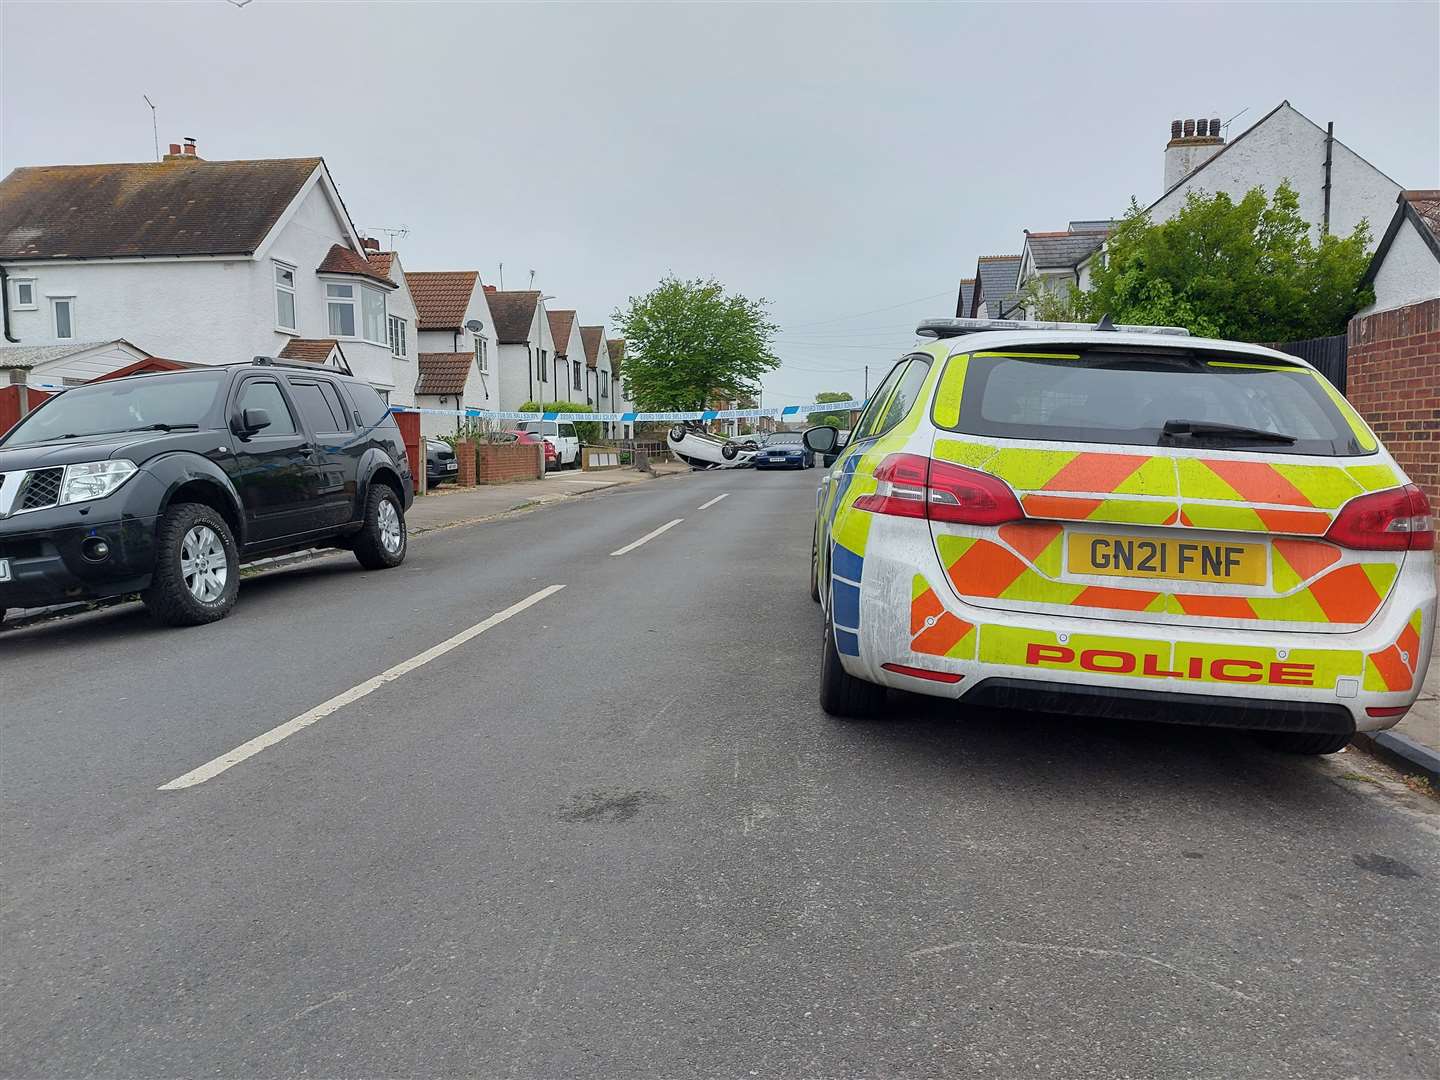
column 1374, row 477
column 950, row 391
column 1028, row 470
column 1326, row 486
column 972, row 455
column 1363, row 435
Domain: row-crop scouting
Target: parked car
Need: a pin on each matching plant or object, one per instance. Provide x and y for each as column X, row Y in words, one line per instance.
column 164, row 484
column 552, row 460
column 1124, row 523
column 561, row 436
column 784, row 450
column 440, row 463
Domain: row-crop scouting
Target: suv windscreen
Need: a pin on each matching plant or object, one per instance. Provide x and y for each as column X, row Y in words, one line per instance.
column 1143, row 398
column 180, row 400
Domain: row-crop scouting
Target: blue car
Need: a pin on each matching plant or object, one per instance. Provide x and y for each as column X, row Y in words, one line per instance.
column 784, row 450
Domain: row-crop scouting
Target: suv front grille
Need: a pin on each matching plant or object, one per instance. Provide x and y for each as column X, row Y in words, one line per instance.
column 41, row 489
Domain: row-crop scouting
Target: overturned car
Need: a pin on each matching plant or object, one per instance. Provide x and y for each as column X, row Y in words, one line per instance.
column 701, row 450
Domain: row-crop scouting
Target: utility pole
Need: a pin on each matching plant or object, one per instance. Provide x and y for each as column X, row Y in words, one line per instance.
column 867, row 383
column 502, row 277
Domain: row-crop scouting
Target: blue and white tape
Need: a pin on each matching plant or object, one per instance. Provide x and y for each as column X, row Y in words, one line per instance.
column 641, row 417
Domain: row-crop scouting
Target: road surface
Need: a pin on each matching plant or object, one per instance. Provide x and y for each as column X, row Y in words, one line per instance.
column 604, row 830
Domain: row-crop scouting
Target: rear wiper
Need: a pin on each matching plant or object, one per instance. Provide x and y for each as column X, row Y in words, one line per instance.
column 1205, row 429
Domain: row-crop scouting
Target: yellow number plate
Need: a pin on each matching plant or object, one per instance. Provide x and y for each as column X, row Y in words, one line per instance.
column 1182, row 560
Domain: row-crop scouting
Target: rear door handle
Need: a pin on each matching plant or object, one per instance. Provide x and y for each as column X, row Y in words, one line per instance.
column 308, row 451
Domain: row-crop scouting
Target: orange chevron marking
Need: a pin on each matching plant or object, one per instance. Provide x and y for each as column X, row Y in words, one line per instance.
column 1219, row 607
column 1346, row 595
column 1306, row 557
column 1304, row 522
column 1258, row 482
column 1095, row 472
column 942, row 637
column 1409, row 643
column 1185, row 520
column 985, row 570
column 1173, row 518
column 1116, row 599
column 1055, row 506
column 1029, row 539
column 925, row 606
column 1392, row 669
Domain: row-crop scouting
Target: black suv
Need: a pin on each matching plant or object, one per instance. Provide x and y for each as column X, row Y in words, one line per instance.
column 163, row 484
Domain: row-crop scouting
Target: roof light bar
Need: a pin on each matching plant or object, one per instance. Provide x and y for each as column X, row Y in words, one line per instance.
column 949, row 328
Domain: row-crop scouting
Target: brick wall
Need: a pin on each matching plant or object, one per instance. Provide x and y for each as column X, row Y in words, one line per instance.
column 1394, row 381
column 503, row 463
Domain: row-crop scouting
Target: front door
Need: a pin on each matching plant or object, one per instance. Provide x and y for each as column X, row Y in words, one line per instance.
column 275, row 469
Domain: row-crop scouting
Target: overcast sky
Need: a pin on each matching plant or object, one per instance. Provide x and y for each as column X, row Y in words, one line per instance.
column 848, row 162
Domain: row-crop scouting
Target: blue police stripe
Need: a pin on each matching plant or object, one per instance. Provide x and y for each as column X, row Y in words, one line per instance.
column 846, row 598
column 845, row 563
column 628, row 417
column 710, row 414
column 847, row 643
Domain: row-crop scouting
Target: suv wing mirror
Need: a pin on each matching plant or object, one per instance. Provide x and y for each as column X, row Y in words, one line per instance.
column 252, row 420
column 822, row 440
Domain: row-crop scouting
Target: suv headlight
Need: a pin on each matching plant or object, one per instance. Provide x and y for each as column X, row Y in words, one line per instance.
column 94, row 479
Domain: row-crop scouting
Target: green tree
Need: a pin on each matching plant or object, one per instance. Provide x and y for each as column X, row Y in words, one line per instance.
column 688, row 343
column 589, row 431
column 1247, row 270
column 830, row 419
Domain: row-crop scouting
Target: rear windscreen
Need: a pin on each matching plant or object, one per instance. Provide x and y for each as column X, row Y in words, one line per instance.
column 1129, row 397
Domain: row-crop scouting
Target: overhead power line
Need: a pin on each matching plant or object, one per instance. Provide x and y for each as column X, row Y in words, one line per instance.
column 873, row 311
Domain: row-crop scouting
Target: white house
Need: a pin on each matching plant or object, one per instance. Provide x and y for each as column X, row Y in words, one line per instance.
column 1406, row 266
column 1056, row 261
column 569, row 359
column 619, row 394
column 526, row 348
column 1336, row 186
column 201, row 261
column 70, row 363
column 455, row 346
column 995, row 293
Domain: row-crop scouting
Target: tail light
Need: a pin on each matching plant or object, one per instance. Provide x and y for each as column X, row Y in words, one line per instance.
column 1396, row 520
column 911, row 485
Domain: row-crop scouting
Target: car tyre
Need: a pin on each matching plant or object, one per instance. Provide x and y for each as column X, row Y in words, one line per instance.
column 729, row 451
column 382, row 541
column 815, row 565
column 677, row 433
column 841, row 694
column 1303, row 742
column 197, row 567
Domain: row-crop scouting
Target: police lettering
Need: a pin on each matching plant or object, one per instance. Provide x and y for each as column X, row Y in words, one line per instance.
column 1221, row 669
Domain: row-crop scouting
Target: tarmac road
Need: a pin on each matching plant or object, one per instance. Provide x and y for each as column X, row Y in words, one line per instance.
column 611, row 834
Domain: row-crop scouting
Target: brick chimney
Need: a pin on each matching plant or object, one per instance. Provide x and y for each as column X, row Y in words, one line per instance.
column 183, row 152
column 370, row 243
column 1192, row 143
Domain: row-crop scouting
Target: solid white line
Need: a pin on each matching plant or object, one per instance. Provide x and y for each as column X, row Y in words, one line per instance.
column 712, row 502
column 647, row 537
column 212, row 769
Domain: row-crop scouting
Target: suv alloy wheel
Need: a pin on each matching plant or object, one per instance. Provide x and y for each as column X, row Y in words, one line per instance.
column 197, row 567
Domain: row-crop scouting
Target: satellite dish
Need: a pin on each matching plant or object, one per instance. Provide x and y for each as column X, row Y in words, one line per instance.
column 474, row 326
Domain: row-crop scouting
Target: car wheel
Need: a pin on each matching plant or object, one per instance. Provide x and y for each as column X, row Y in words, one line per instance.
column 841, row 694
column 729, row 451
column 197, row 567
column 1303, row 742
column 382, row 540
column 677, row 433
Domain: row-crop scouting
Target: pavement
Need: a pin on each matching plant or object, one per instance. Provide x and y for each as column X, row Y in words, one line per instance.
column 450, row 819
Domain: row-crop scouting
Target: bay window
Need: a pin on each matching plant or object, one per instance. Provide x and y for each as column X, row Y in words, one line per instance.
column 368, row 323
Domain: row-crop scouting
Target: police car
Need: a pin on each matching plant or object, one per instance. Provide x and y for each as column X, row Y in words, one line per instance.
column 1122, row 521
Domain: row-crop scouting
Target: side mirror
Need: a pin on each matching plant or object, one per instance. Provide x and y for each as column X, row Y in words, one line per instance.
column 822, row 440
column 253, row 420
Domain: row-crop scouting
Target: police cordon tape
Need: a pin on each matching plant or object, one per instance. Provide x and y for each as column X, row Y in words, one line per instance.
column 641, row 417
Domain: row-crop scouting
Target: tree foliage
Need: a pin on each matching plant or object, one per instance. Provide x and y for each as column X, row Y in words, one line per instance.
column 688, row 343
column 1246, row 270
column 830, row 419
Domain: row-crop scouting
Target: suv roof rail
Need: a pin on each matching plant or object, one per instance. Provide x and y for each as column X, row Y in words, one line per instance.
column 950, row 328
column 274, row 361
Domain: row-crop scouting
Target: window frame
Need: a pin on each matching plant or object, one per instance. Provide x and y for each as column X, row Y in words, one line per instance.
column 482, row 353
column 295, row 382
column 243, row 387
column 69, row 302
column 276, row 266
column 356, row 302
column 877, row 400
column 15, row 304
column 391, row 322
column 579, row 379
column 542, row 365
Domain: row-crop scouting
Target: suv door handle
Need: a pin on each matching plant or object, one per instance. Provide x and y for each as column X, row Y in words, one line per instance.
column 308, row 451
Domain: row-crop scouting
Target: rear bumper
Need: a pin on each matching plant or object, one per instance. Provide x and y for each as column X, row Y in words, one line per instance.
column 891, row 610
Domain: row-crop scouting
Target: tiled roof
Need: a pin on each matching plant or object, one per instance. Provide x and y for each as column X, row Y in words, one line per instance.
column 380, row 262
column 616, row 347
column 441, row 297
column 513, row 313
column 1427, row 208
column 998, row 276
column 965, row 298
column 1422, row 210
column 561, row 323
column 443, row 372
column 343, row 260
column 592, row 336
column 150, row 208
column 311, row 350
column 1049, row 250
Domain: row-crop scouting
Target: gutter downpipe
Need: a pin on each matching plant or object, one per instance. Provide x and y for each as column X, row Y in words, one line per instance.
column 1329, row 157
column 5, row 304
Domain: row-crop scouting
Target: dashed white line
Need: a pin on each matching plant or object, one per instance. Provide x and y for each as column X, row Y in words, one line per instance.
column 712, row 502
column 214, row 768
column 647, row 537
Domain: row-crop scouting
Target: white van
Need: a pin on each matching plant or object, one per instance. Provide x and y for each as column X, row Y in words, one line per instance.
column 559, row 435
